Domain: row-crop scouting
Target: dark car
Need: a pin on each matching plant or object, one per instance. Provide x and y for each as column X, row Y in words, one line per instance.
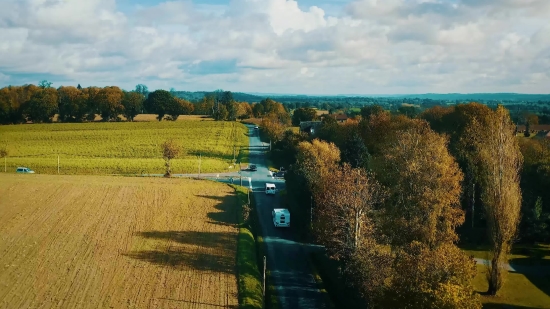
column 252, row 167
column 279, row 174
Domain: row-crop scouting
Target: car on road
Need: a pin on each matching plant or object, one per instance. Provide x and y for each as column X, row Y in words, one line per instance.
column 256, row 128
column 252, row 167
column 279, row 174
column 281, row 217
column 24, row 170
column 270, row 189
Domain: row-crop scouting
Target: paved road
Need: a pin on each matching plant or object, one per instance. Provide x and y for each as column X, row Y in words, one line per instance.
column 286, row 259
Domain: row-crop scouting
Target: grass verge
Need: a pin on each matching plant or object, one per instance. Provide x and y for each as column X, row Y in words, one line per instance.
column 532, row 255
column 249, row 277
column 519, row 291
column 320, row 283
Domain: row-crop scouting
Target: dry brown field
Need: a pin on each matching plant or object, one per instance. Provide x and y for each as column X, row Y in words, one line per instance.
column 116, row 242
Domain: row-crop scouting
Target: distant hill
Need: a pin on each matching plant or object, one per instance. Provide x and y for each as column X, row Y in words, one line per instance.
column 435, row 96
column 198, row 95
column 478, row 96
column 461, row 97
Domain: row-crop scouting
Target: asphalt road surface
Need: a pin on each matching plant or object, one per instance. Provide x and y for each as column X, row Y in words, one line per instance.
column 287, row 260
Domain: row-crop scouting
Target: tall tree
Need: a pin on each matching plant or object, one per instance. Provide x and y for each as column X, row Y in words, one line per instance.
column 133, row 104
column 110, row 102
column 344, row 210
column 369, row 110
column 72, row 104
column 141, row 88
column 43, row 105
column 93, row 102
column 258, row 110
column 500, row 160
column 315, row 161
column 424, row 184
column 159, row 102
column 303, row 114
column 170, row 150
column 355, row 152
column 44, row 84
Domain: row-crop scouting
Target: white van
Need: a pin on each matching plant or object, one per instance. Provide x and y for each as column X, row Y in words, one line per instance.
column 270, row 188
column 281, row 217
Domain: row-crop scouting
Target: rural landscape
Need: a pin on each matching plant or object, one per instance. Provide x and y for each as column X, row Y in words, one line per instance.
column 275, row 154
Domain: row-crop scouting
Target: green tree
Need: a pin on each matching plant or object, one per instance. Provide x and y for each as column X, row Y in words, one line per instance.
column 408, row 110
column 133, row 104
column 43, row 105
column 93, row 100
column 369, row 110
column 258, row 110
column 355, row 152
column 159, row 102
column 72, row 104
column 140, row 88
column 45, row 84
column 303, row 114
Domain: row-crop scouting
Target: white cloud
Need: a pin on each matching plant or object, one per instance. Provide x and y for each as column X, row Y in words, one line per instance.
column 370, row 46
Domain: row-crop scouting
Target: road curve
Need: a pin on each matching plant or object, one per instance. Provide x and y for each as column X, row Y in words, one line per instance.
column 287, row 259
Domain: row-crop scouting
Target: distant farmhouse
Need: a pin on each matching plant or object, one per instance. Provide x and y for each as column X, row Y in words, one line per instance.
column 310, row 127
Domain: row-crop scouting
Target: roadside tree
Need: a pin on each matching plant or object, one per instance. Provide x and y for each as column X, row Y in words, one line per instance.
column 170, row 150
column 500, row 162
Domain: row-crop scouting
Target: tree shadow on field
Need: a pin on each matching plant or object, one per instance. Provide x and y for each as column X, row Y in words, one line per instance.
column 227, row 213
column 206, row 251
column 200, row 250
column 504, row 306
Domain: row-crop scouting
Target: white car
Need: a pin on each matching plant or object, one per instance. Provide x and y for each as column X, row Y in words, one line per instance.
column 270, row 189
column 256, row 128
column 24, row 170
column 281, row 217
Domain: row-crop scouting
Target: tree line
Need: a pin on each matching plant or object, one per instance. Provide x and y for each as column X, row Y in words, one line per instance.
column 19, row 104
column 389, row 196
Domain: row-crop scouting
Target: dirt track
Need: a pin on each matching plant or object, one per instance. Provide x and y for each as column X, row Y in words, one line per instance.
column 106, row 242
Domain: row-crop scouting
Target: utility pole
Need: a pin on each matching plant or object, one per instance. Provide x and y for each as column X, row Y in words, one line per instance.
column 264, row 276
column 58, row 164
column 311, row 212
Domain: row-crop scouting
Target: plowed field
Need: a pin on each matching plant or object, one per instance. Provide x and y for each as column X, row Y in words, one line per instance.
column 116, row 242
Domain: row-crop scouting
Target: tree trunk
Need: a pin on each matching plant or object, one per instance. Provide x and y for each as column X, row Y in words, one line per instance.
column 495, row 274
column 473, row 201
column 168, row 169
column 357, row 230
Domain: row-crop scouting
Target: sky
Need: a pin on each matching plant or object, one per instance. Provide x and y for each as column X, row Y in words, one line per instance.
column 322, row 47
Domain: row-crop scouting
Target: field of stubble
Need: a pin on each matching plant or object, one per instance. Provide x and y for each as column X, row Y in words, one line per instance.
column 116, row 242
